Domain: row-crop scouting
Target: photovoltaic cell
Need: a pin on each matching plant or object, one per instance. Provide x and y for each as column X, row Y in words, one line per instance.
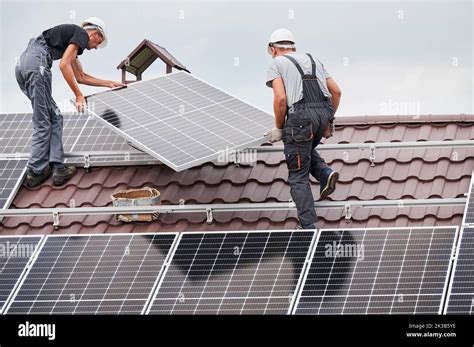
column 180, row 120
column 95, row 274
column 461, row 292
column 11, row 175
column 252, row 272
column 15, row 253
column 378, row 271
column 469, row 212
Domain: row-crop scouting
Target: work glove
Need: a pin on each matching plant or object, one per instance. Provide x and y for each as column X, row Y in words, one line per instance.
column 329, row 131
column 275, row 134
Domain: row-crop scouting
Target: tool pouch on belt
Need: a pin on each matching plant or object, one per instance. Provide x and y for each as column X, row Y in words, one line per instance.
column 137, row 197
column 329, row 131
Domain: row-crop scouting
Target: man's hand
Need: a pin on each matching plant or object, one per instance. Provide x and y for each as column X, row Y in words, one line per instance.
column 275, row 134
column 80, row 103
column 113, row 84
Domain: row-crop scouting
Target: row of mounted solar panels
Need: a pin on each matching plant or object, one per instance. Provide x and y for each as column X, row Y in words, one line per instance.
column 350, row 271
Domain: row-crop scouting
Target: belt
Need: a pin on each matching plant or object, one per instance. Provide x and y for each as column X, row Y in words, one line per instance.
column 297, row 105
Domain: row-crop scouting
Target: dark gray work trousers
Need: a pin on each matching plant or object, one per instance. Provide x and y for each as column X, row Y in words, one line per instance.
column 33, row 74
column 302, row 132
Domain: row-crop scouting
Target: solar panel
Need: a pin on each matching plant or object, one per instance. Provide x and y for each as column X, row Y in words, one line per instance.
column 255, row 272
column 180, row 120
column 469, row 212
column 16, row 129
column 81, row 133
column 15, row 253
column 11, row 176
column 461, row 290
column 378, row 271
column 94, row 274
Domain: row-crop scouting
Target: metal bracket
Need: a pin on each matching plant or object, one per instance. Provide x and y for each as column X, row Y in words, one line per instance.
column 236, row 158
column 291, row 203
column 347, row 212
column 209, row 216
column 87, row 162
column 372, row 155
column 56, row 220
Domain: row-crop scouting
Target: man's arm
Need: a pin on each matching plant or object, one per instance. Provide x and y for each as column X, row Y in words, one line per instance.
column 335, row 92
column 84, row 78
column 66, row 68
column 279, row 102
column 279, row 107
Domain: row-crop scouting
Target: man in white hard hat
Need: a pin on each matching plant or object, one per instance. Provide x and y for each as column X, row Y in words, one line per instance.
column 305, row 101
column 33, row 73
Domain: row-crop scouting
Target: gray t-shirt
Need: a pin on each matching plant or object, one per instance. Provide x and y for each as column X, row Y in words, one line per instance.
column 284, row 68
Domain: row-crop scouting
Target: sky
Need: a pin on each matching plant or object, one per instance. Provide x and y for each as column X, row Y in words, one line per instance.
column 388, row 57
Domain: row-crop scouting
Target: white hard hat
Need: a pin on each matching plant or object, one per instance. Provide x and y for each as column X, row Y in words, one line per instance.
column 281, row 35
column 96, row 23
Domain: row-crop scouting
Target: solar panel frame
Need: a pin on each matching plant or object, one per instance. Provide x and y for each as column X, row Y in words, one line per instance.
column 457, row 274
column 305, row 263
column 161, row 158
column 18, row 181
column 468, row 217
column 20, row 275
column 48, row 237
column 446, row 280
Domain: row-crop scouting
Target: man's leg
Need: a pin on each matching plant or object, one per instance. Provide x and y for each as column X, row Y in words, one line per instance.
column 317, row 164
column 34, row 78
column 298, row 159
column 61, row 173
column 319, row 169
column 56, row 150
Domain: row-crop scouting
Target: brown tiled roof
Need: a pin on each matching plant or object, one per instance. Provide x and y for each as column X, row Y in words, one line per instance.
column 397, row 174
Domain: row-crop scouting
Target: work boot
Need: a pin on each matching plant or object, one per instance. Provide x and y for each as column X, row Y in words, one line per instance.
column 34, row 180
column 62, row 175
column 328, row 181
column 305, row 227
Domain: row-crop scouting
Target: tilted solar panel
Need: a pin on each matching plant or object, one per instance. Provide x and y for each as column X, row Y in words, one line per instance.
column 180, row 120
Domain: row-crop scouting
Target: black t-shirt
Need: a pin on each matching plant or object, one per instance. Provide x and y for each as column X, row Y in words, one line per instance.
column 61, row 36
